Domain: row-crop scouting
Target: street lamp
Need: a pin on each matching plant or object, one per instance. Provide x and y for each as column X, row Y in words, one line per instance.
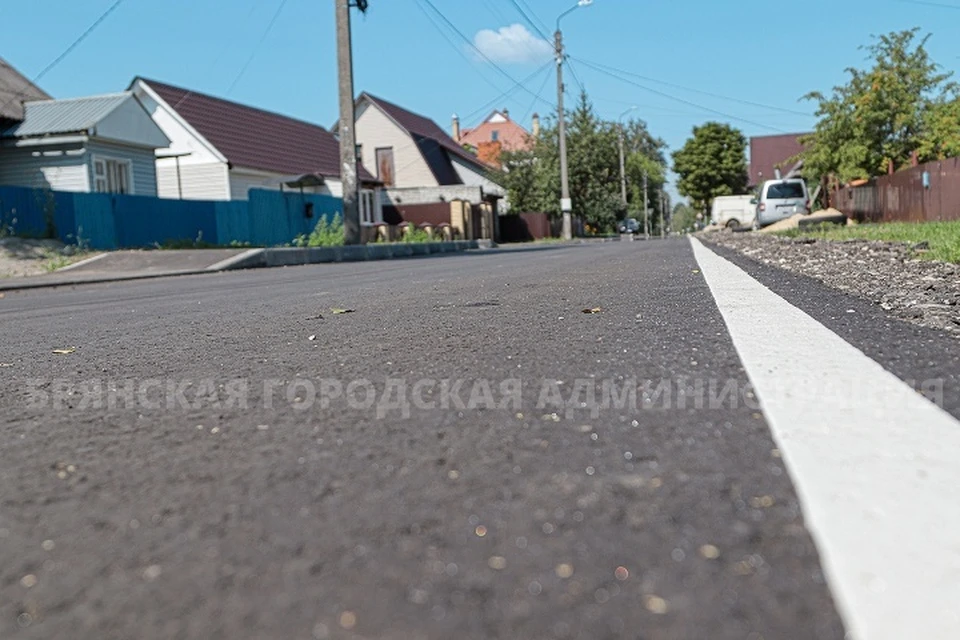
column 623, row 172
column 565, row 204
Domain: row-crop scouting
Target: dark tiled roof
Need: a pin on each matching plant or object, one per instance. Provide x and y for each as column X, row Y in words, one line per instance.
column 438, row 160
column 431, row 139
column 767, row 153
column 257, row 139
column 15, row 89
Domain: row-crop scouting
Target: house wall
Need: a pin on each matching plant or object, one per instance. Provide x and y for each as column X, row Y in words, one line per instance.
column 376, row 130
column 59, row 167
column 430, row 195
column 242, row 180
column 203, row 170
column 473, row 177
column 131, row 124
column 197, row 181
column 144, row 168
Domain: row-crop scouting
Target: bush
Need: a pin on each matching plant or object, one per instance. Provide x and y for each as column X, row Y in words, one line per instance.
column 327, row 233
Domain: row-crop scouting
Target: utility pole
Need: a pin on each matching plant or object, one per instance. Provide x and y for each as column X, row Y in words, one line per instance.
column 565, row 204
column 623, row 173
column 646, row 209
column 348, row 140
column 663, row 201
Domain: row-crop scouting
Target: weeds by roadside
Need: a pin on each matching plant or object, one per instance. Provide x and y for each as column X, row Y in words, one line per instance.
column 930, row 240
column 327, row 233
column 198, row 243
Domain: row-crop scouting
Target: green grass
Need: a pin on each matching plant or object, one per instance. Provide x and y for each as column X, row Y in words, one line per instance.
column 943, row 237
column 54, row 260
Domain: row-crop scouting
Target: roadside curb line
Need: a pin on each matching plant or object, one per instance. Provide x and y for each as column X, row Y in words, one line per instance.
column 280, row 257
column 81, row 263
column 78, row 281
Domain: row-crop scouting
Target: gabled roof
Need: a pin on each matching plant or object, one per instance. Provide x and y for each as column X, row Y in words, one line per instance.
column 510, row 135
column 768, row 153
column 256, row 139
column 15, row 89
column 65, row 116
column 118, row 117
column 434, row 144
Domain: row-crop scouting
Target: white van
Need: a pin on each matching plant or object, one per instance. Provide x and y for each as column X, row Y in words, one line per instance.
column 780, row 199
column 733, row 212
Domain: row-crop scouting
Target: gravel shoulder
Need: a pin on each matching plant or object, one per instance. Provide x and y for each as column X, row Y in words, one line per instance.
column 887, row 274
column 28, row 257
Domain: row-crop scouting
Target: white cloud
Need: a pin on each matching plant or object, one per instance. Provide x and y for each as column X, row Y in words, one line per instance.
column 513, row 44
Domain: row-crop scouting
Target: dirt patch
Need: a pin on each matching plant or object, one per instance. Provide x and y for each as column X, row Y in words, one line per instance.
column 794, row 222
column 27, row 257
column 889, row 274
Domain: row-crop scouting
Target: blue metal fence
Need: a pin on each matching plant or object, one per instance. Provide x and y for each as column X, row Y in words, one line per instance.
column 111, row 221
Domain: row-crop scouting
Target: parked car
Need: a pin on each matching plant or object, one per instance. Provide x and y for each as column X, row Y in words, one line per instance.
column 629, row 225
column 733, row 212
column 780, row 199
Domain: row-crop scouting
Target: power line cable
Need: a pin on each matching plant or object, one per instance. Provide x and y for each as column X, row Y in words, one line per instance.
column 681, row 100
column 256, row 48
column 455, row 47
column 530, row 21
column 534, row 15
column 502, row 19
column 576, row 78
column 507, row 94
column 83, row 36
column 529, row 110
column 216, row 60
column 691, row 89
column 495, row 11
column 475, row 48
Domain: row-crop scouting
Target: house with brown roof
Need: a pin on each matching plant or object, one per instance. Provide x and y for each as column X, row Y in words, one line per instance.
column 15, row 90
column 770, row 154
column 496, row 134
column 410, row 151
column 220, row 150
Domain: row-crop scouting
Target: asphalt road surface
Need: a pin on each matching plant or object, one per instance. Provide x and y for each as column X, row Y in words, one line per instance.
column 201, row 458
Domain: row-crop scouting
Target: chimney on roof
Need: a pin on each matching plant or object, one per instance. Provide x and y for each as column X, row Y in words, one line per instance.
column 506, row 113
column 536, row 125
column 456, row 127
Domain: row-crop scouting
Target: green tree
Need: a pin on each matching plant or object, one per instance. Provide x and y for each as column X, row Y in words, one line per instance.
column 712, row 163
column 684, row 218
column 901, row 105
column 532, row 178
column 941, row 135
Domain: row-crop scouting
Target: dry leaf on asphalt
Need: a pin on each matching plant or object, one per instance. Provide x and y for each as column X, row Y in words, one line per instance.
column 312, row 338
column 64, row 352
column 593, row 310
column 5, row 364
column 338, row 312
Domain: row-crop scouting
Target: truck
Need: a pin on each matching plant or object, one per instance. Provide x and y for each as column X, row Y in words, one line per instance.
column 733, row 212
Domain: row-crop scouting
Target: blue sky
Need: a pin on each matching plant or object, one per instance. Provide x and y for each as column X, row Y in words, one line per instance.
column 761, row 52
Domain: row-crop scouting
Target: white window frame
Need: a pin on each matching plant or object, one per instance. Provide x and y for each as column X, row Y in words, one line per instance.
column 369, row 213
column 104, row 179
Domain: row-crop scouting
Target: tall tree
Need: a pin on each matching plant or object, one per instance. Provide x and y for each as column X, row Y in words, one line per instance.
column 684, row 218
column 712, row 163
column 884, row 114
column 532, row 178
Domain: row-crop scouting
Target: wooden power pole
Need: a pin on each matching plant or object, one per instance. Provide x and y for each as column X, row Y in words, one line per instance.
column 348, row 139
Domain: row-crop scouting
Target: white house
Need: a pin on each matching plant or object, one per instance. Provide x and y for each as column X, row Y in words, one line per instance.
column 219, row 150
column 409, row 151
column 94, row 144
